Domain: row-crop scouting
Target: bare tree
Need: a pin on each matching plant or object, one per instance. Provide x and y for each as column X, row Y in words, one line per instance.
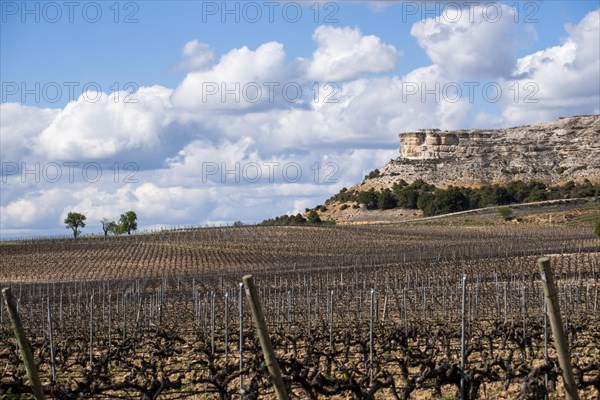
column 105, row 225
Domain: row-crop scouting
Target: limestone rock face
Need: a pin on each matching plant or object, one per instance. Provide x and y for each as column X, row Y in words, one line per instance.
column 554, row 152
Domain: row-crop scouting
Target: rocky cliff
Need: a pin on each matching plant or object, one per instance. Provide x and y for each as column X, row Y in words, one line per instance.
column 554, row 152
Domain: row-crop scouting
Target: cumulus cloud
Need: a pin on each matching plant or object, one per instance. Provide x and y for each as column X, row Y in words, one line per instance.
column 345, row 53
column 201, row 162
column 469, row 42
column 34, row 209
column 89, row 129
column 380, row 5
column 241, row 79
column 196, row 56
column 561, row 80
column 160, row 205
column 174, row 204
column 19, row 126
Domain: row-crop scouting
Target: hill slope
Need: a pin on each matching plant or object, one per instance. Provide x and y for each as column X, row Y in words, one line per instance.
column 553, row 152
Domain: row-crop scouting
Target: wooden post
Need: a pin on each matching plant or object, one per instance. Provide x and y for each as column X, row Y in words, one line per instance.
column 560, row 342
column 462, row 339
column 23, row 345
column 263, row 336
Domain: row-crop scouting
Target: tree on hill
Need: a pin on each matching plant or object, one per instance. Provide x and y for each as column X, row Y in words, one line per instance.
column 386, row 200
column 298, row 219
column 494, row 195
column 406, row 197
column 106, row 225
column 368, row 198
column 75, row 221
column 450, row 200
column 128, row 222
column 313, row 217
column 114, row 228
column 373, row 174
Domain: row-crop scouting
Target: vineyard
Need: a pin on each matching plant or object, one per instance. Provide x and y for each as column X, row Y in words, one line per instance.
column 357, row 312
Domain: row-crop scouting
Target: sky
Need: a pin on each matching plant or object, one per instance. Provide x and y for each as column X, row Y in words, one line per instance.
column 201, row 113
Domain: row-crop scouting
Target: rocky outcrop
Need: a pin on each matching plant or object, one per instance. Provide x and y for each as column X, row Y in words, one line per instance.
column 554, row 152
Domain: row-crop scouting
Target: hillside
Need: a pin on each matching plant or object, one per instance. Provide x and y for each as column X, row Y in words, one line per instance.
column 532, row 162
column 553, row 152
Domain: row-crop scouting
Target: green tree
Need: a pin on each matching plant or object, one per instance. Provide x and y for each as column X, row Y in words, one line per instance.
column 518, row 191
column 494, row 195
column 373, row 174
column 313, row 217
column 585, row 189
column 386, row 200
column 422, row 185
column 115, row 228
column 128, row 222
column 450, row 200
column 75, row 221
column 424, row 201
column 598, row 228
column 537, row 192
column 298, row 219
column 368, row 198
column 406, row 197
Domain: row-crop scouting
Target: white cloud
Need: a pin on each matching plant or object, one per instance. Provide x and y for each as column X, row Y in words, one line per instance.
column 114, row 124
column 153, row 204
column 558, row 81
column 240, row 80
column 380, row 5
column 201, row 162
column 345, row 53
column 173, row 204
column 469, row 43
column 196, row 56
column 19, row 126
column 34, row 209
column 368, row 113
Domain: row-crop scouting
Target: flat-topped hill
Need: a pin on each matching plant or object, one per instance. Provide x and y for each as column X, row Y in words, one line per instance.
column 553, row 152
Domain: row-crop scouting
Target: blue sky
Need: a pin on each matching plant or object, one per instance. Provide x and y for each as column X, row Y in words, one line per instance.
column 375, row 61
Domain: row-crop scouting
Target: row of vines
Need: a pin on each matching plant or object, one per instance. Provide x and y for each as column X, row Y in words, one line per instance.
column 365, row 313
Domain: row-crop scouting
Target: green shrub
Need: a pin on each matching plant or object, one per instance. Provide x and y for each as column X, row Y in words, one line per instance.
column 386, row 200
column 297, row 219
column 505, row 212
column 369, row 198
column 344, row 196
column 313, row 217
column 373, row 174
